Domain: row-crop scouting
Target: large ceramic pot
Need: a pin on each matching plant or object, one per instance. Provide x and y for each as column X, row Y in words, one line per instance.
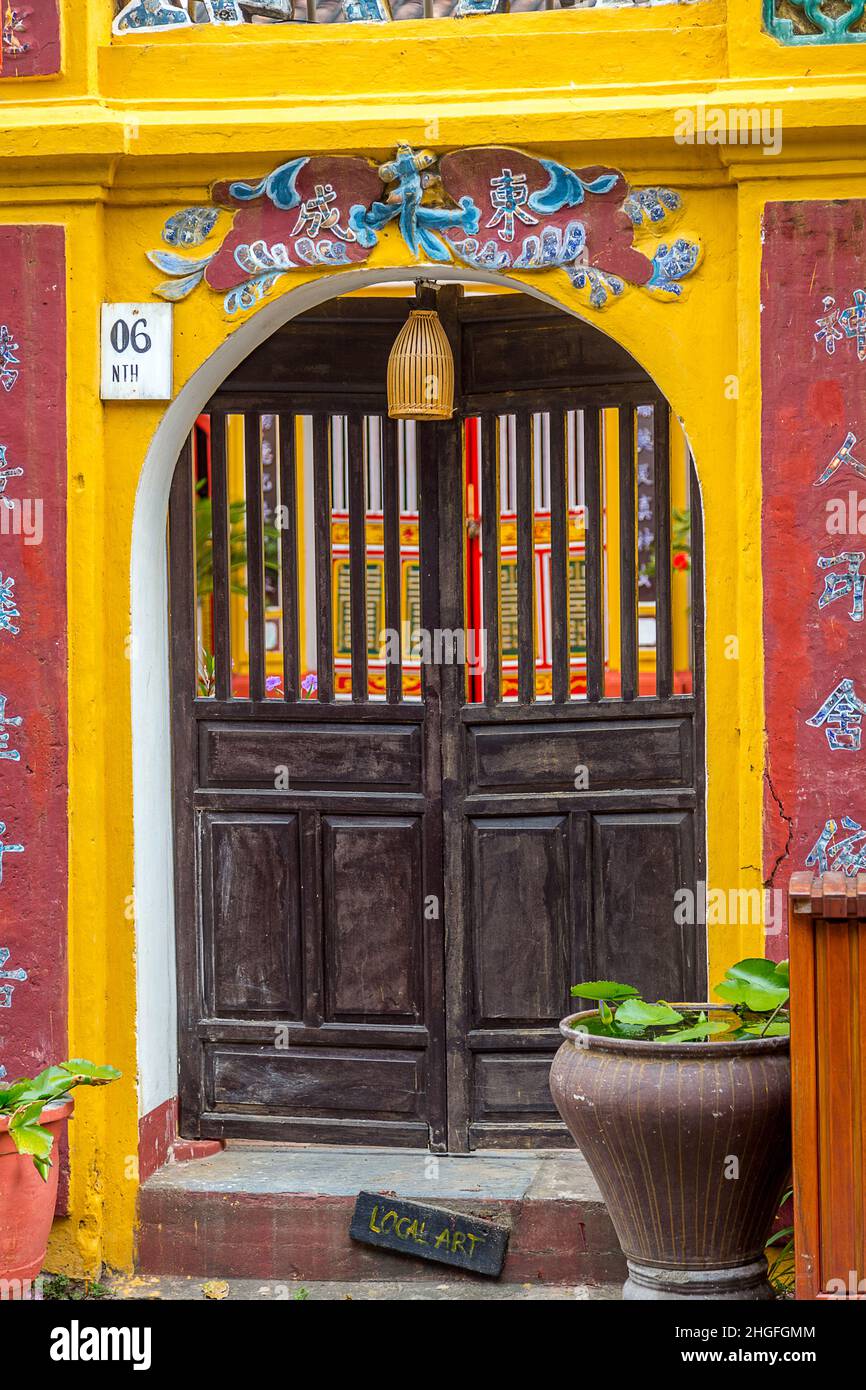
column 690, row 1144
column 26, row 1203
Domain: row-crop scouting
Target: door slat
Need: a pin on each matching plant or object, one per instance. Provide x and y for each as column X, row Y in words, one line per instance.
column 627, row 553
column 490, row 553
column 357, row 557
column 322, row 530
column 255, row 554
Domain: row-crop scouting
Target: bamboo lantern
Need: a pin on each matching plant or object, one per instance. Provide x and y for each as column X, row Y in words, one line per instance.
column 421, row 370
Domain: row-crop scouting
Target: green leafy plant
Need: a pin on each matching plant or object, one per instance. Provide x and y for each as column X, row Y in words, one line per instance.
column 25, row 1100
column 782, row 1264
column 237, row 538
column 756, row 990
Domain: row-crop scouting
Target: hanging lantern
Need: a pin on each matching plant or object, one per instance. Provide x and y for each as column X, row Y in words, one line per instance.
column 421, row 370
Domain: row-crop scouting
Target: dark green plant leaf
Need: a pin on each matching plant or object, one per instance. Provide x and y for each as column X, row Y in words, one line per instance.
column 785, row 1234
column 779, row 1028
column 755, row 983
column 43, row 1167
column 698, row 1030
column 595, row 1027
column 643, row 1015
column 604, row 989
column 28, row 1136
column 89, row 1073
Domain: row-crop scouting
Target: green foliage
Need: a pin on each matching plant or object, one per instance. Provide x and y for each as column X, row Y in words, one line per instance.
column 24, row 1101
column 758, row 985
column 58, row 1287
column 608, row 990
column 756, row 990
column 237, row 538
column 782, row 1272
column 698, row 1032
column 642, row 1015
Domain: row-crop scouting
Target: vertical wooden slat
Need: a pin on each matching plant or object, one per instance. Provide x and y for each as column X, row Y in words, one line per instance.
column 289, row 557
column 490, row 553
column 310, row 825
column 456, row 920
column 322, row 531
column 804, row 1084
column 182, row 602
column 255, row 554
column 391, row 545
column 593, row 553
column 627, row 553
column 697, row 591
column 434, row 442
column 662, row 481
column 525, row 560
column 221, row 575
column 560, row 678
column 182, row 594
column 357, row 556
column 837, row 1052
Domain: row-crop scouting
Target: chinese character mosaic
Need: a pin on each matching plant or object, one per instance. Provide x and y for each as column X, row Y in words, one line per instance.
column 30, row 44
column 814, row 537
column 33, row 661
column 155, row 17
column 492, row 208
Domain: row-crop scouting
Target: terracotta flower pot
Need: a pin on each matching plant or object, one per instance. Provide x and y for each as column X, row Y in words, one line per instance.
column 26, row 1202
column 690, row 1144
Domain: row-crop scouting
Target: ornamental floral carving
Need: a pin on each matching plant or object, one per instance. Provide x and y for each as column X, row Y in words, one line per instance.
column 492, row 208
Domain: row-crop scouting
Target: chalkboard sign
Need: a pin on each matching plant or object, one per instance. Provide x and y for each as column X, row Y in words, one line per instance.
column 429, row 1233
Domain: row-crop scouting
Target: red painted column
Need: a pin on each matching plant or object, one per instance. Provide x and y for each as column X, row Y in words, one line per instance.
column 813, row 371
column 33, row 650
column 31, row 38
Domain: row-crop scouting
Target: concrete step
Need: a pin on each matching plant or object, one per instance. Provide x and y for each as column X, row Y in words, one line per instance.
column 282, row 1212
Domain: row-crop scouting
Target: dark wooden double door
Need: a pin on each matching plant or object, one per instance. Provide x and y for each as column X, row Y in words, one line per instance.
column 385, row 891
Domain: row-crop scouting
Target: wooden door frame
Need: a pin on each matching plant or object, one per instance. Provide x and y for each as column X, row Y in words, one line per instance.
column 446, row 948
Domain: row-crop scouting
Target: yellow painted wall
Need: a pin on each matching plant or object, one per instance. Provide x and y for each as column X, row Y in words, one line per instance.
column 136, row 128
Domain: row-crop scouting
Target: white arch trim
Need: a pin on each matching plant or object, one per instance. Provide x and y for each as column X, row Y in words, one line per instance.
column 156, row 1011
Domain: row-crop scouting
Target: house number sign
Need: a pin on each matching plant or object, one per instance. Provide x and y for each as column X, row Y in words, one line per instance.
column 136, row 352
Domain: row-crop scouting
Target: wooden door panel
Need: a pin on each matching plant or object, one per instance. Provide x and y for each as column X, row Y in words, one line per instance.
column 520, row 919
column 373, row 916
column 543, row 756
column 251, row 915
column 513, row 1089
column 311, row 755
column 312, row 1082
column 639, row 861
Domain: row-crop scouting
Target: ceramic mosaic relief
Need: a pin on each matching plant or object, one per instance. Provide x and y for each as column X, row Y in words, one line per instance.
column 814, row 536
column 33, row 660
column 31, row 38
column 816, row 21
column 493, row 208
column 166, row 16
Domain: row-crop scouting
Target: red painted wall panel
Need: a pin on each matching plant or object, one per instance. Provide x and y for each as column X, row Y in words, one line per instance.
column 33, row 658
column 813, row 369
column 31, row 38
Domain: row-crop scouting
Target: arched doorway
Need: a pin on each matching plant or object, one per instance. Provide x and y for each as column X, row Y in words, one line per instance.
column 437, row 716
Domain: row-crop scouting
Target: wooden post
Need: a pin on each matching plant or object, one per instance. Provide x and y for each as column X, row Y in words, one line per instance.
column 827, row 916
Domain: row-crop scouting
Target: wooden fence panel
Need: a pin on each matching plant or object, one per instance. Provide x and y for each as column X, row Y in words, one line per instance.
column 828, row 1063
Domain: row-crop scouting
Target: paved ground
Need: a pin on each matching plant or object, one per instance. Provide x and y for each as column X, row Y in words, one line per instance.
column 415, row 1291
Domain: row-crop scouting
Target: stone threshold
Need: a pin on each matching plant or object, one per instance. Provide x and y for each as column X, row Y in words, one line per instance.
column 268, row 1211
